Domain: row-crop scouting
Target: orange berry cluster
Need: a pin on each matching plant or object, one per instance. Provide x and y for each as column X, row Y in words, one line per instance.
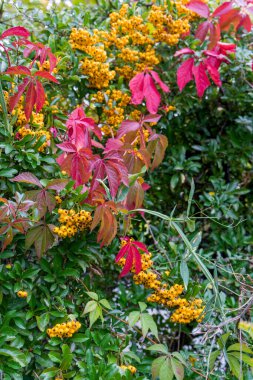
column 25, row 131
column 167, row 29
column 131, row 368
column 46, row 67
column 72, row 222
column 114, row 103
column 184, row 311
column 131, row 41
column 96, row 66
column 22, row 294
column 64, row 330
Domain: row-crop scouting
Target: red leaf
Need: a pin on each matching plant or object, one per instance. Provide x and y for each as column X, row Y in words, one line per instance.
column 143, row 86
column 40, row 100
column 80, row 167
column 141, row 246
column 67, row 147
column 133, row 256
column 27, row 177
column 183, row 51
column 151, row 118
column 129, row 262
column 226, row 48
column 137, row 261
column 122, row 252
column 30, row 100
column 15, row 31
column 52, row 61
column 214, row 74
column 47, row 75
column 245, row 23
column 18, row 70
column 230, row 18
column 222, row 9
column 114, row 168
column 152, row 96
column 136, row 85
column 184, row 73
column 198, row 7
column 201, row 79
column 127, row 126
column 15, row 98
column 113, row 145
column 80, row 128
column 158, row 80
column 202, row 31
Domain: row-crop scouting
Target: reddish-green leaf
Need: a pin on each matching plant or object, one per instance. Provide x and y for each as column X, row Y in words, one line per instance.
column 41, row 236
column 105, row 215
column 157, row 146
column 8, row 238
column 57, row 184
column 27, row 177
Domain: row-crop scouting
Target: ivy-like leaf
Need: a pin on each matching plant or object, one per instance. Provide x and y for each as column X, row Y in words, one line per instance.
column 42, row 238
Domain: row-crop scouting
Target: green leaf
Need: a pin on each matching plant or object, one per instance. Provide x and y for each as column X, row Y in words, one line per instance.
column 174, row 181
column 234, row 365
column 178, row 356
column 133, row 318
column 79, row 338
column 158, row 348
column 184, row 272
column 241, row 356
column 222, row 340
column 67, row 357
column 105, row 303
column 42, row 321
column 214, row 355
column 8, row 173
column 93, row 295
column 131, row 355
column 143, row 306
column 166, row 372
column 191, row 225
column 90, row 306
column 18, row 356
column 240, row 347
column 148, row 323
column 156, row 366
column 55, row 356
column 95, row 314
column 178, row 369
